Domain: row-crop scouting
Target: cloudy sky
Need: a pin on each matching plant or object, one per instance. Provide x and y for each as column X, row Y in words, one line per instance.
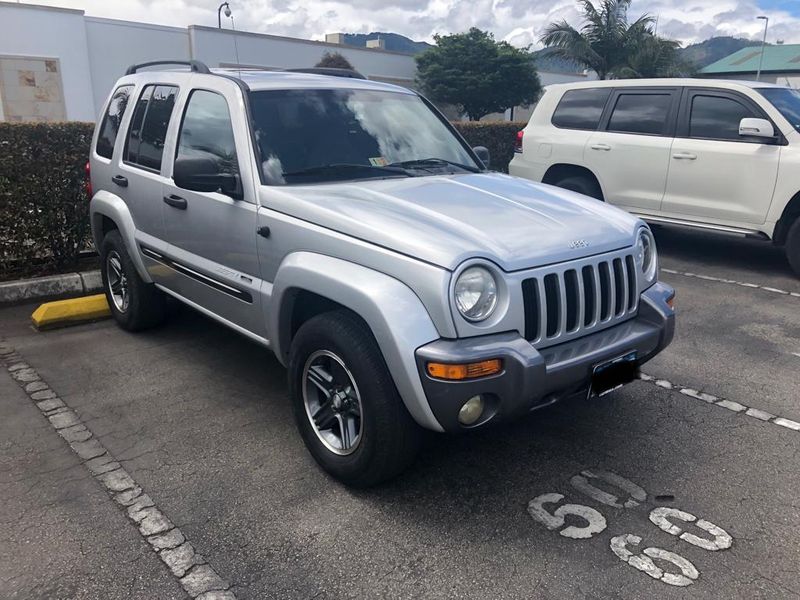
column 517, row 21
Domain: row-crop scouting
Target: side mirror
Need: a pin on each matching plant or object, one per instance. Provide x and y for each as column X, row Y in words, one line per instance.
column 203, row 174
column 482, row 152
column 756, row 128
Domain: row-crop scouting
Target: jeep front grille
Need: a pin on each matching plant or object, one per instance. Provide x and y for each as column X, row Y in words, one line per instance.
column 568, row 301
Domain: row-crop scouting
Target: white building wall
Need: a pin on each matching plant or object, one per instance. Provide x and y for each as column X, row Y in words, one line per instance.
column 219, row 46
column 39, row 32
column 115, row 45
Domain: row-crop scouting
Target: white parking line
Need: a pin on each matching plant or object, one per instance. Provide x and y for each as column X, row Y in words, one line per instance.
column 732, row 282
column 736, row 407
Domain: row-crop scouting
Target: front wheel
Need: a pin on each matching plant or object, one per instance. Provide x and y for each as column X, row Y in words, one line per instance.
column 134, row 303
column 347, row 408
column 793, row 246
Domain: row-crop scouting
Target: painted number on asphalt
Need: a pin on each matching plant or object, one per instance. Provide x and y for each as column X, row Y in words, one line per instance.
column 689, row 573
column 634, row 495
column 595, row 522
column 543, row 510
column 660, row 516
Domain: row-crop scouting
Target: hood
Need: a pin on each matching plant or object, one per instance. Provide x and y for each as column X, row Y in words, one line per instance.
column 444, row 220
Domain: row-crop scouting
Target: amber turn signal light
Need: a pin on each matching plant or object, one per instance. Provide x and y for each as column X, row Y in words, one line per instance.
column 465, row 371
column 671, row 302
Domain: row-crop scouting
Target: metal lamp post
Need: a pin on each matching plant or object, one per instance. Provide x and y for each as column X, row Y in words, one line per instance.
column 227, row 8
column 763, row 46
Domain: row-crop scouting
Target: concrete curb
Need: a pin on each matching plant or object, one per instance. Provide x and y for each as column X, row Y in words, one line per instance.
column 50, row 287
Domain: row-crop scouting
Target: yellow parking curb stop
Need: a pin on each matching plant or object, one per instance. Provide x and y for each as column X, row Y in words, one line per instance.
column 70, row 312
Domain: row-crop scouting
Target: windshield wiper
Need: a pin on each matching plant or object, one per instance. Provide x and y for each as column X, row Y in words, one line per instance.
column 341, row 168
column 433, row 162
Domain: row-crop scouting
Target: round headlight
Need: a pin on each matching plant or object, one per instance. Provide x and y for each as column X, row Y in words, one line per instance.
column 646, row 256
column 476, row 293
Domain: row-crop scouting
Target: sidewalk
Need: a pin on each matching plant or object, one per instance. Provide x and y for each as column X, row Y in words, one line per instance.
column 63, row 537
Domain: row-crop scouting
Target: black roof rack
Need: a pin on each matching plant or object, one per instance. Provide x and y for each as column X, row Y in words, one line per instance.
column 351, row 73
column 195, row 65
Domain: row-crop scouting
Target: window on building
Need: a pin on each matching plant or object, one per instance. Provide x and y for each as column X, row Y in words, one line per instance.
column 717, row 117
column 640, row 113
column 112, row 119
column 206, row 131
column 148, row 129
column 581, row 109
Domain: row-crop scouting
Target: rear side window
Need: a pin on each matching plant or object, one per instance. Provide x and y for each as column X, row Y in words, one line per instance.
column 717, row 118
column 148, row 129
column 581, row 109
column 111, row 121
column 640, row 113
column 206, row 131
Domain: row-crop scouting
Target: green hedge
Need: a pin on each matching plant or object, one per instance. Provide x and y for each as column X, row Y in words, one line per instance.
column 44, row 209
column 43, row 206
column 498, row 137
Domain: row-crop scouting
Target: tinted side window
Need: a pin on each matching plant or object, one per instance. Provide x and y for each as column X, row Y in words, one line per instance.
column 581, row 109
column 112, row 119
column 148, row 129
column 206, row 131
column 717, row 117
column 640, row 113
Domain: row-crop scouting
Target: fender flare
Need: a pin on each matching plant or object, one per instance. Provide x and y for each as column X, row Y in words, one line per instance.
column 106, row 204
column 396, row 316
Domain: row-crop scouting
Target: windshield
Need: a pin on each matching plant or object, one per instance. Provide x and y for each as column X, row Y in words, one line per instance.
column 787, row 101
column 309, row 136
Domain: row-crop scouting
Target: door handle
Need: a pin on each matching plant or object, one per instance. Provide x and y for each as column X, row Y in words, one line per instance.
column 120, row 180
column 684, row 156
column 263, row 231
column 604, row 147
column 176, row 201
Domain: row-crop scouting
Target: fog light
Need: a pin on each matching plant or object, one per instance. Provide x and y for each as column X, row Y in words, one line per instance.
column 471, row 411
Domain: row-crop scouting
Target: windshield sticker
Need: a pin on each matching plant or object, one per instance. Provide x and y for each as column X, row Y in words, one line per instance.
column 378, row 161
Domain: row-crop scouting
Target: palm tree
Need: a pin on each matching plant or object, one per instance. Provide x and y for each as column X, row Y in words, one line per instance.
column 606, row 40
column 653, row 56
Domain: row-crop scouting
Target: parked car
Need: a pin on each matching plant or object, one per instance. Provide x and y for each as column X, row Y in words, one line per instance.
column 345, row 225
column 705, row 153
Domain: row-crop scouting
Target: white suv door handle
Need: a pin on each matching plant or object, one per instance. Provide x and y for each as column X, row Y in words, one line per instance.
column 604, row 147
column 684, row 156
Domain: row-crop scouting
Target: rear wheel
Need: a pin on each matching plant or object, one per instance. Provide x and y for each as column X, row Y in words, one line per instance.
column 581, row 184
column 793, row 246
column 346, row 406
column 134, row 303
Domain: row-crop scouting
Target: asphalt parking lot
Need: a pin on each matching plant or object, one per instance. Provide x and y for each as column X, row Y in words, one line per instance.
column 682, row 485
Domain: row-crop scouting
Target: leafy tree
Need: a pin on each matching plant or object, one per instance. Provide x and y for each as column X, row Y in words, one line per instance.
column 334, row 60
column 477, row 74
column 610, row 46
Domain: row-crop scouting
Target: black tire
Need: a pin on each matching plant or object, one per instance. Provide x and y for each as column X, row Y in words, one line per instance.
column 793, row 246
column 389, row 437
column 146, row 306
column 581, row 184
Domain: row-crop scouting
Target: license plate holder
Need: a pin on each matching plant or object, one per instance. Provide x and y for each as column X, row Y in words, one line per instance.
column 613, row 374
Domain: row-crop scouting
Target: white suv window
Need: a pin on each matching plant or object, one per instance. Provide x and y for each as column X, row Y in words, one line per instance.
column 581, row 109
column 716, row 117
column 641, row 113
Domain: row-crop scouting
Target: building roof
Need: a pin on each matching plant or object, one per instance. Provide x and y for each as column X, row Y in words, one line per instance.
column 783, row 58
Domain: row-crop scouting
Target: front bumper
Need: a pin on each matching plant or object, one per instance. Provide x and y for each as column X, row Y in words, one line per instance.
column 533, row 378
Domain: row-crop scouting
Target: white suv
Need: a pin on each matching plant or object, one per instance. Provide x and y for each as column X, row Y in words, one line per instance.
column 718, row 155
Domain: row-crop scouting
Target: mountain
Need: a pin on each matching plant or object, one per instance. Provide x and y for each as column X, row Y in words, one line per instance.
column 713, row 49
column 394, row 41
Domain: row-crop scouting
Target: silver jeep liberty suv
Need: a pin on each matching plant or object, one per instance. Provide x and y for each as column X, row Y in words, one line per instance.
column 345, row 225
